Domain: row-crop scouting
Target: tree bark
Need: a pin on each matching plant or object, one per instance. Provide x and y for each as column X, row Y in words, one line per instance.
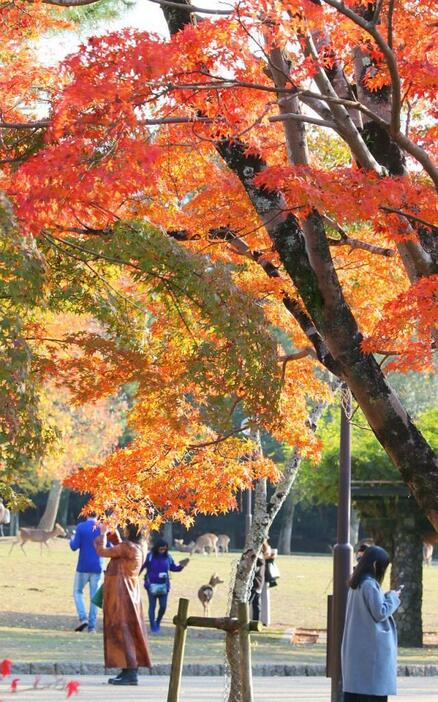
column 306, row 257
column 285, row 538
column 168, row 533
column 354, row 526
column 407, row 570
column 47, row 521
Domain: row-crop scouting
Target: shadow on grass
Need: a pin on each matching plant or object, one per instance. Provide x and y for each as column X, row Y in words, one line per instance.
column 42, row 620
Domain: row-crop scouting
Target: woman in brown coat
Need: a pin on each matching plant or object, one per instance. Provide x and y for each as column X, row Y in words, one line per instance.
column 124, row 631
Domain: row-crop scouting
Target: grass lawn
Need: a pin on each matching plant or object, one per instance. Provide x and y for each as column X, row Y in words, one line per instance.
column 38, row 615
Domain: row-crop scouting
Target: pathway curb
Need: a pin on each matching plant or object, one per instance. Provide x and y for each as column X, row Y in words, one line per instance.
column 206, row 669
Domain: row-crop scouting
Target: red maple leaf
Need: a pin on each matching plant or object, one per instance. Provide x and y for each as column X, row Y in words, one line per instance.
column 5, row 667
column 14, row 684
column 72, row 687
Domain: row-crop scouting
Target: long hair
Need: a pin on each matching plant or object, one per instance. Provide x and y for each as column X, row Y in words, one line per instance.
column 159, row 543
column 134, row 533
column 374, row 563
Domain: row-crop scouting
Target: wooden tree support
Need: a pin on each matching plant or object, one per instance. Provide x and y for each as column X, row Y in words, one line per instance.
column 241, row 626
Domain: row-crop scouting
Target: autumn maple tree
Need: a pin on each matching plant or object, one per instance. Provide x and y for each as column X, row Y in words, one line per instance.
column 247, row 209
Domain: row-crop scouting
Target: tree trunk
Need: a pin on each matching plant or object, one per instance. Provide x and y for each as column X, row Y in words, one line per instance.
column 14, row 524
column 407, row 570
column 47, row 521
column 335, row 335
column 285, row 538
column 354, row 526
column 63, row 507
column 168, row 533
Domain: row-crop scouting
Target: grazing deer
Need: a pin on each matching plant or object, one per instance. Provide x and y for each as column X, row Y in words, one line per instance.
column 39, row 536
column 430, row 538
column 207, row 543
column 206, row 592
column 179, row 545
column 223, row 542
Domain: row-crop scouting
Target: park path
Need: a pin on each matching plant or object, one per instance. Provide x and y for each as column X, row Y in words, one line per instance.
column 210, row 689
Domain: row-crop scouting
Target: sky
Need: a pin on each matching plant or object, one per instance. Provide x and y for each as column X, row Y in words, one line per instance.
column 141, row 15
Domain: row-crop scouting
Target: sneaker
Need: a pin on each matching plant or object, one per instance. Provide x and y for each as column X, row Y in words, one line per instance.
column 82, row 625
column 92, row 630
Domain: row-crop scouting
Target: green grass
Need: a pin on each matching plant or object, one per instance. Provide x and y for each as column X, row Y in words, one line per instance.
column 38, row 613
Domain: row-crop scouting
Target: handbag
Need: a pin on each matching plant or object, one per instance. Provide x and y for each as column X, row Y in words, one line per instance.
column 158, row 589
column 97, row 598
column 272, row 572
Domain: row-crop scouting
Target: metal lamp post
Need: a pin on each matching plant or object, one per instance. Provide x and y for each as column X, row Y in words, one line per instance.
column 342, row 552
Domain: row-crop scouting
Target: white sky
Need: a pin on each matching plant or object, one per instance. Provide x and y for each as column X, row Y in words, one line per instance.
column 143, row 15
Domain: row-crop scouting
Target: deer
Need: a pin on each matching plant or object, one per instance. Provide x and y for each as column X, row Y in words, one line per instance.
column 207, row 543
column 430, row 538
column 223, row 543
column 179, row 545
column 206, row 592
column 39, row 536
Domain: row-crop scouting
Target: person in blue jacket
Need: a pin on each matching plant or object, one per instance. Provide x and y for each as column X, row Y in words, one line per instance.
column 157, row 565
column 88, row 571
column 369, row 645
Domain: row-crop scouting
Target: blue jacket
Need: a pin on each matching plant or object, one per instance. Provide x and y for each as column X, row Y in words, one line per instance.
column 157, row 568
column 88, row 561
column 369, row 645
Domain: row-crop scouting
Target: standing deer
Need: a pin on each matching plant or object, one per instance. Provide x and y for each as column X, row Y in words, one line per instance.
column 39, row 536
column 223, row 543
column 206, row 592
column 207, row 543
column 430, row 538
column 179, row 545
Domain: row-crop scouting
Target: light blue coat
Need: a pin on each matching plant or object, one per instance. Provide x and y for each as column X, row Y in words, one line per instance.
column 369, row 645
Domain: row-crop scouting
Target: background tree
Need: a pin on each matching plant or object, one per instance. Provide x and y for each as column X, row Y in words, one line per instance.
column 393, row 521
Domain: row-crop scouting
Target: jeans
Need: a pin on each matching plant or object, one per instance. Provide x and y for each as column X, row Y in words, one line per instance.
column 162, row 599
column 81, row 579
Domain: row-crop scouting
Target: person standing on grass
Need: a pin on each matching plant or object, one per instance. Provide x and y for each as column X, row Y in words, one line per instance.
column 124, row 632
column 157, row 565
column 88, row 571
column 369, row 645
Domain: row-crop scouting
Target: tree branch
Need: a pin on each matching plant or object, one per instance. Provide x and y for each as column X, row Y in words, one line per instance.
column 346, row 127
column 303, row 118
column 25, row 125
column 388, row 53
column 191, row 8
column 411, row 217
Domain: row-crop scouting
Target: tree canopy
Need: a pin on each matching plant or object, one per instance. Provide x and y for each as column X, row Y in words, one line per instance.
column 245, row 209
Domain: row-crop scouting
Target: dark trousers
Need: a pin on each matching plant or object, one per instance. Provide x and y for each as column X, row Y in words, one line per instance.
column 355, row 697
column 153, row 599
column 255, row 604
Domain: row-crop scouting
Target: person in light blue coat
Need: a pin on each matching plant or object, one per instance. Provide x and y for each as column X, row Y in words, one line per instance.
column 369, row 645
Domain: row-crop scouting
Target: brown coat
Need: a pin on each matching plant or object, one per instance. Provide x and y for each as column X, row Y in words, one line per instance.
column 124, row 631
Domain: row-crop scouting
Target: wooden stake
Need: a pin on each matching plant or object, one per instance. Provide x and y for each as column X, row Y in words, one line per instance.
column 178, row 650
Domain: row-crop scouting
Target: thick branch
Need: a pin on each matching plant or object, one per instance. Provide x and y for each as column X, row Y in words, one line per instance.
column 295, row 131
column 41, row 124
column 345, row 124
column 303, row 118
column 346, row 240
column 419, row 154
column 389, row 55
column 191, row 8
